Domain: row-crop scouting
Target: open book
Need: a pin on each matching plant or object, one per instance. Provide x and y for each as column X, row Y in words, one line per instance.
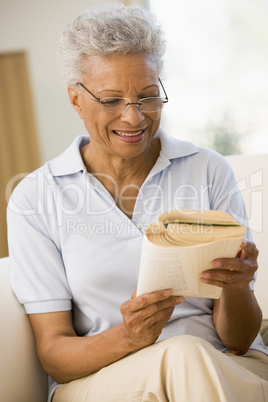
column 181, row 245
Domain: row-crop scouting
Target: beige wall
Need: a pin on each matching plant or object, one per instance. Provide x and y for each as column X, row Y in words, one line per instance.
column 34, row 26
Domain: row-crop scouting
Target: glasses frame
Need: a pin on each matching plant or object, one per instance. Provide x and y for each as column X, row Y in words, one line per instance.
column 139, row 103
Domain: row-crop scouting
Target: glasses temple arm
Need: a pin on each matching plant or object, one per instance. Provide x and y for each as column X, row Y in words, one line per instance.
column 163, row 89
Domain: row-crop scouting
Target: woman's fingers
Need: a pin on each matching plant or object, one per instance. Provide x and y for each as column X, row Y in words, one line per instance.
column 233, row 272
column 145, row 316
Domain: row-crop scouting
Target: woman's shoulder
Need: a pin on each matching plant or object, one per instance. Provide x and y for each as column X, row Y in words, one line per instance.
column 68, row 162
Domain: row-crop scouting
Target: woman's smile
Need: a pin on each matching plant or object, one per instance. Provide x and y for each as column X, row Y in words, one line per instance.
column 130, row 137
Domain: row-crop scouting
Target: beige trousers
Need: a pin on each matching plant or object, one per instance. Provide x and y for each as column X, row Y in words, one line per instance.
column 179, row 369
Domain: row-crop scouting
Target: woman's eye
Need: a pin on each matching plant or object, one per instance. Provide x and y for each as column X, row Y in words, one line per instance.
column 151, row 99
column 155, row 95
column 113, row 101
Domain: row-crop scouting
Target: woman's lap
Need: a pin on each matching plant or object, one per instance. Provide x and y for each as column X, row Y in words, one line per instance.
column 183, row 368
column 254, row 361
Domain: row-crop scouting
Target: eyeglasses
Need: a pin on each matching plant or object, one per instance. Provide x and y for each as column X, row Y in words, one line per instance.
column 120, row 105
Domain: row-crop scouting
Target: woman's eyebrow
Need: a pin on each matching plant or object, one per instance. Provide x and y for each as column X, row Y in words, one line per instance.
column 119, row 90
column 150, row 86
column 109, row 90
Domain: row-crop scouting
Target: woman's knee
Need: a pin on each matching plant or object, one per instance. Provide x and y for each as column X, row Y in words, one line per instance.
column 184, row 343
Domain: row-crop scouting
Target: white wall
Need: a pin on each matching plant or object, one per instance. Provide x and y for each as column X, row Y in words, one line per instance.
column 34, row 26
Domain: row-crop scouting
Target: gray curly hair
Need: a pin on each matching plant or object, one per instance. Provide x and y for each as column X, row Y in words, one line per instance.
column 105, row 30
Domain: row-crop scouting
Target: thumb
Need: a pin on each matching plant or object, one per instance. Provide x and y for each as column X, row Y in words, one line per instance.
column 133, row 294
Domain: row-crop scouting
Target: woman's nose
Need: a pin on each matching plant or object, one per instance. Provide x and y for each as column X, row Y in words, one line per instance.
column 132, row 115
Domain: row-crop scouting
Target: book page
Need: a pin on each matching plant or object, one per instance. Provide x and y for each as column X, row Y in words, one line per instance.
column 193, row 216
column 179, row 268
column 182, row 245
column 162, row 268
column 184, row 234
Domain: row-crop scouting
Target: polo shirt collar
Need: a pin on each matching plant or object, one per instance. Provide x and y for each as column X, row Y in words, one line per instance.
column 173, row 148
column 71, row 162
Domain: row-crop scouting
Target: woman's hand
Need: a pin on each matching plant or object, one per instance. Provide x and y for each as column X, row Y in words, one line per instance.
column 233, row 273
column 145, row 316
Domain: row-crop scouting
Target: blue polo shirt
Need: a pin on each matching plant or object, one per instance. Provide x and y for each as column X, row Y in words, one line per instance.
column 71, row 247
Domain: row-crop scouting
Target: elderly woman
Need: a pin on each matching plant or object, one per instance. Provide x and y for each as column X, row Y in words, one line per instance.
column 75, row 234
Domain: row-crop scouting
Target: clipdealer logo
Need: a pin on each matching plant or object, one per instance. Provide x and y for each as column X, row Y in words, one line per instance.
column 50, row 196
column 253, row 184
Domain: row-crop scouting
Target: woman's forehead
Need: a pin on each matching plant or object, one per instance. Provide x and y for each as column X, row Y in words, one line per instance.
column 118, row 69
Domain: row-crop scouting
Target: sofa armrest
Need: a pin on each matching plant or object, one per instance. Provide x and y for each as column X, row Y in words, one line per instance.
column 21, row 375
column 264, row 331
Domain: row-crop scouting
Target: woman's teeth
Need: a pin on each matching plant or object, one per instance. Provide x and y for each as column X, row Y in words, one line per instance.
column 128, row 134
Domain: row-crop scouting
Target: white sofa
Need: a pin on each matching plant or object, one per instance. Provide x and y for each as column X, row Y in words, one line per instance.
column 22, row 379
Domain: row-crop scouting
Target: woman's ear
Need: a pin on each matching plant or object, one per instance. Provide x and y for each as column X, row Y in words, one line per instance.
column 75, row 100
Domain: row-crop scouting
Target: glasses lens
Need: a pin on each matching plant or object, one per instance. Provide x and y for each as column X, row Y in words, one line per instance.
column 151, row 104
column 146, row 105
column 115, row 105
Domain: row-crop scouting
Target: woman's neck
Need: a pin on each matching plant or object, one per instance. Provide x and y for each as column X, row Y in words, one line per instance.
column 122, row 170
column 123, row 178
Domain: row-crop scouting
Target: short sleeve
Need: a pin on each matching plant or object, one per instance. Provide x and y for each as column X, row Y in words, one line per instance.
column 38, row 276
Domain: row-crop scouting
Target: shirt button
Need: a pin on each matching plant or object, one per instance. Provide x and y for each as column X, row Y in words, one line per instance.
column 139, row 225
column 145, row 202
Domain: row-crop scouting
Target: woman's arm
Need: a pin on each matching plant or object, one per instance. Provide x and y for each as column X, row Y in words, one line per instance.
column 66, row 356
column 237, row 315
